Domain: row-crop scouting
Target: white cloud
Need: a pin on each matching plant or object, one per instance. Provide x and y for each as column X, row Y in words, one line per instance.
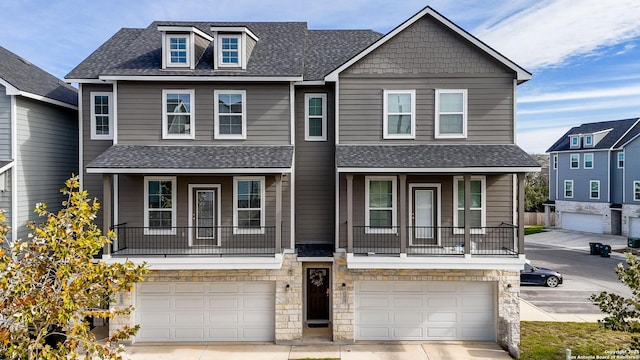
column 582, row 94
column 588, row 106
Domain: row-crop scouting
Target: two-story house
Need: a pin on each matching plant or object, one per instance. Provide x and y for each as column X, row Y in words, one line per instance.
column 277, row 178
column 38, row 139
column 594, row 182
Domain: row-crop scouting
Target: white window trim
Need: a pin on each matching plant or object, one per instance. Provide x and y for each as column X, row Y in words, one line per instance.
column 174, row 195
column 437, row 134
column 618, row 160
column 262, row 180
column 216, row 117
column 308, row 137
column 394, row 207
column 584, row 158
column 571, row 162
column 483, row 205
column 385, row 114
column 241, row 54
column 586, row 144
column 555, row 161
column 577, row 142
column 636, row 195
column 564, row 191
column 591, row 191
column 167, row 50
column 192, row 115
column 94, row 135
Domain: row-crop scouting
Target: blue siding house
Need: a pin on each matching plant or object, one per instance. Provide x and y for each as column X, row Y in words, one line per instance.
column 593, row 184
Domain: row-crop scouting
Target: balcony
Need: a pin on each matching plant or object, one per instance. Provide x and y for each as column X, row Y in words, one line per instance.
column 218, row 241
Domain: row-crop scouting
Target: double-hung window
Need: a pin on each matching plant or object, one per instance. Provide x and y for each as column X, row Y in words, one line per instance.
column 380, row 216
column 177, row 50
column 575, row 161
column 620, row 160
column 568, row 189
column 230, row 113
column 315, row 114
column 101, row 116
column 594, row 189
column 477, row 204
column 248, row 205
column 588, row 140
column 399, row 108
column 575, row 141
column 178, row 114
column 555, row 162
column 636, row 191
column 588, row 161
column 451, row 114
column 159, row 205
column 230, row 51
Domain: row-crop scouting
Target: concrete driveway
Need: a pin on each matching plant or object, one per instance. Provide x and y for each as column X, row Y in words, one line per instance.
column 575, row 240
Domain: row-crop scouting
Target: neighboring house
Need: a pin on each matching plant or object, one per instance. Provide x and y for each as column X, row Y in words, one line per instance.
column 276, row 178
column 594, row 181
column 38, row 140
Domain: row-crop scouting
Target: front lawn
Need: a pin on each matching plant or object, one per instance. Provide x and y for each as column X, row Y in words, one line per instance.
column 533, row 229
column 549, row 341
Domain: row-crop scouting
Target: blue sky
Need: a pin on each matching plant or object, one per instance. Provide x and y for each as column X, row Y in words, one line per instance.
column 583, row 54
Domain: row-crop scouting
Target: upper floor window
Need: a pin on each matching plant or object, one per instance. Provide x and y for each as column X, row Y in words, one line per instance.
column 568, row 189
column 620, row 160
column 575, row 161
column 315, row 114
column 159, row 205
column 177, row 114
column 555, row 162
column 451, row 114
column 249, row 205
column 101, row 116
column 380, row 204
column 575, row 141
column 476, row 206
column 588, row 140
column 399, row 114
column 178, row 50
column 230, row 114
column 588, row 161
column 230, row 51
column 636, row 190
column 594, row 186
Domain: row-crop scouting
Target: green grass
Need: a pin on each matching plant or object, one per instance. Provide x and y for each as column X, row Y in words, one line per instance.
column 533, row 229
column 549, row 340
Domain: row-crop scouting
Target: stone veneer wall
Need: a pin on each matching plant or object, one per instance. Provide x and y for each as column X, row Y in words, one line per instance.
column 585, row 208
column 508, row 310
column 628, row 211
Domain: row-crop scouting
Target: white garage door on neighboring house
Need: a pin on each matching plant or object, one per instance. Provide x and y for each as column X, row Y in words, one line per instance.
column 634, row 227
column 425, row 310
column 591, row 223
column 203, row 311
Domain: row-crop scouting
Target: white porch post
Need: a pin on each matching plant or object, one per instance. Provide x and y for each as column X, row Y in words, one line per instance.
column 349, row 213
column 107, row 200
column 278, row 244
column 467, row 214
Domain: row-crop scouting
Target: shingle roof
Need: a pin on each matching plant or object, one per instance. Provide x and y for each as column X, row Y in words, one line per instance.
column 633, row 133
column 193, row 157
column 432, row 156
column 29, row 78
column 618, row 130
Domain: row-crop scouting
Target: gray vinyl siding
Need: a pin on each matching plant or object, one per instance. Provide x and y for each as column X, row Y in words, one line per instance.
column 499, row 201
column 315, row 175
column 631, row 170
column 140, row 113
column 5, row 124
column 131, row 201
column 5, row 199
column 47, row 141
column 617, row 180
column 581, row 177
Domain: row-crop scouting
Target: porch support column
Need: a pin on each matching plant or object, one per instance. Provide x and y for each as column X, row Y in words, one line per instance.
column 349, row 213
column 107, row 202
column 278, row 213
column 521, row 213
column 467, row 214
column 402, row 205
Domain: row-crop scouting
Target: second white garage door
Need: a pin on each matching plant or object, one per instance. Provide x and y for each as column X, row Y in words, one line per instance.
column 425, row 310
column 582, row 222
column 634, row 227
column 202, row 311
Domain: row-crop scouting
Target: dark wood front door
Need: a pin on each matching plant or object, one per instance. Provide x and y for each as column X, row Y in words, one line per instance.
column 318, row 295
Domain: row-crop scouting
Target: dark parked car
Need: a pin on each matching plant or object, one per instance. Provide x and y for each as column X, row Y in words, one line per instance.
column 534, row 275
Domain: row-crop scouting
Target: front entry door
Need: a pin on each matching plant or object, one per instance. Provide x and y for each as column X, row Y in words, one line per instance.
column 204, row 227
column 318, row 296
column 423, row 217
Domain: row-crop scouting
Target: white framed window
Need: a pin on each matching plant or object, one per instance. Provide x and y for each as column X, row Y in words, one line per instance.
column 555, row 162
column 248, row 204
column 315, row 117
column 575, row 141
column 594, row 189
column 451, row 114
column 101, row 115
column 588, row 140
column 230, row 50
column 178, row 50
column 230, row 114
column 160, row 205
column 568, row 189
column 399, row 107
column 380, row 204
column 575, row 161
column 178, row 115
column 477, row 206
column 588, row 161
column 620, row 160
column 636, row 191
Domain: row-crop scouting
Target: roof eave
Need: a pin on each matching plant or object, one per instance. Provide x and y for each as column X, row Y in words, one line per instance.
column 197, row 78
column 488, row 169
column 115, row 170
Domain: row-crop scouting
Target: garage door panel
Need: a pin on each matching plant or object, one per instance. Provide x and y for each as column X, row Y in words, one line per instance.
column 257, row 302
column 378, row 286
column 155, row 319
column 189, row 334
column 634, row 227
column 409, row 333
column 375, row 333
column 591, row 223
column 223, row 288
column 442, row 316
column 231, row 317
column 440, row 301
column 188, row 288
column 160, row 303
column 407, row 318
column 255, row 334
column 256, row 317
column 408, row 302
column 476, row 301
column 154, row 334
column 189, row 318
column 224, row 303
column 375, row 301
column 154, row 288
column 372, row 317
column 476, row 317
column 224, row 334
column 444, row 333
column 189, row 303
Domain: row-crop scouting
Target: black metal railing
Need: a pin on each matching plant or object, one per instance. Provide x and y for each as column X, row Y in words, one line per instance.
column 188, row 241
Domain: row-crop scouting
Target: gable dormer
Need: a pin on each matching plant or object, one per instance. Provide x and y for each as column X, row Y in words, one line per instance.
column 233, row 47
column 182, row 46
column 574, row 141
column 599, row 135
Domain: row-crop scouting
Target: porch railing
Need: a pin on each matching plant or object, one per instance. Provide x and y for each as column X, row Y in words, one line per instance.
column 435, row 240
column 190, row 241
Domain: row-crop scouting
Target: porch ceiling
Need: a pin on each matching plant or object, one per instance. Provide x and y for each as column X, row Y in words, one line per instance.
column 185, row 159
column 434, row 158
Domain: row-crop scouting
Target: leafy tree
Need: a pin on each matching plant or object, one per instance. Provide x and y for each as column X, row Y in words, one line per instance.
column 624, row 313
column 50, row 285
column 535, row 196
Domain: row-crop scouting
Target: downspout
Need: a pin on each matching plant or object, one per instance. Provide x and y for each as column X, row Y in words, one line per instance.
column 14, row 169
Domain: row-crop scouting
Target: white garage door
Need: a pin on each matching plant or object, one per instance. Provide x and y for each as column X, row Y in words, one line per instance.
column 634, row 227
column 201, row 311
column 425, row 310
column 582, row 222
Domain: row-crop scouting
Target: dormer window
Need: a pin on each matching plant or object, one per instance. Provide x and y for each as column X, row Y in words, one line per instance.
column 588, row 140
column 233, row 47
column 575, row 141
column 230, row 50
column 178, row 54
column 182, row 46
